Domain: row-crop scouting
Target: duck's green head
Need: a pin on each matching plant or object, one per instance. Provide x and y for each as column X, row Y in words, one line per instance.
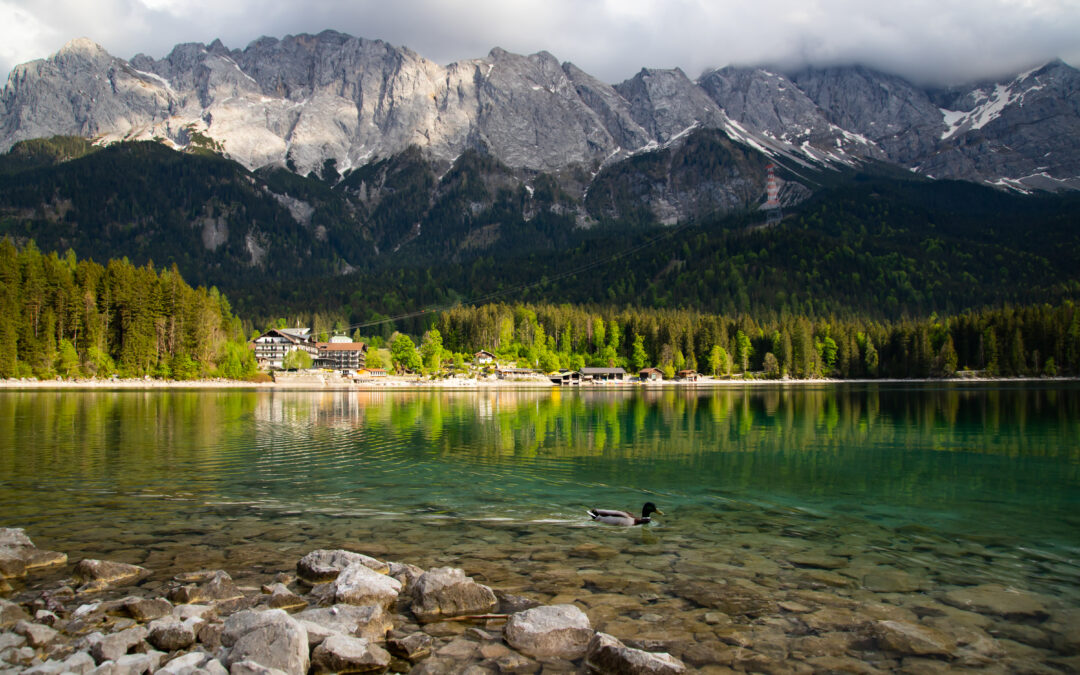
column 650, row 508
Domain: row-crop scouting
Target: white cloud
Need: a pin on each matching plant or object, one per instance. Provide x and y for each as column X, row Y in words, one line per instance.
column 927, row 40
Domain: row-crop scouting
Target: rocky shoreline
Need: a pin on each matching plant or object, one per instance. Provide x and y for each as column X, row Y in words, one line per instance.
column 343, row 611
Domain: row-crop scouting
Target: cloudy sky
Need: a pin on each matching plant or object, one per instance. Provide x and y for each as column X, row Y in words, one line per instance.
column 930, row 41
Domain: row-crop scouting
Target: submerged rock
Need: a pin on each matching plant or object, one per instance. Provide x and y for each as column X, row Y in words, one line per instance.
column 999, row 601
column 95, row 575
column 446, row 592
column 606, row 654
column 560, row 631
column 907, row 638
column 730, row 598
column 892, row 580
column 218, row 586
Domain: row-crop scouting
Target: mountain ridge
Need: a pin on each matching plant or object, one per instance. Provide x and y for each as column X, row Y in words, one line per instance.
column 305, row 100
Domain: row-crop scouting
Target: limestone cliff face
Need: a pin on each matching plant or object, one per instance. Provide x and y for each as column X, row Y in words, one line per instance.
column 305, row 100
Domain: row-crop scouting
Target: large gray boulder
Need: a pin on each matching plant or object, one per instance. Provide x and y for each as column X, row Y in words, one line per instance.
column 148, row 609
column 446, row 592
column 549, row 631
column 11, row 613
column 112, row 647
column 367, row 621
column 324, row 565
column 358, row 584
column 188, row 664
column 37, row 635
column 252, row 668
column 270, row 638
column 131, row 664
column 605, row 654
column 170, row 634
column 79, row 663
column 343, row 654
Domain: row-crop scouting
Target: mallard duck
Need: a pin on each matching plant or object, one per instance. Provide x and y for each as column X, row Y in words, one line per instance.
column 622, row 517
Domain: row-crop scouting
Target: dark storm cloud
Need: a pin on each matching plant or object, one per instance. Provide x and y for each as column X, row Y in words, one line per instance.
column 929, row 41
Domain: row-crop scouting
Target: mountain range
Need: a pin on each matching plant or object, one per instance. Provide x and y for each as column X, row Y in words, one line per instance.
column 313, row 102
column 339, row 173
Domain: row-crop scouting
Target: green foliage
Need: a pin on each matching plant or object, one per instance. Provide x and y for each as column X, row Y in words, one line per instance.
column 69, row 317
column 743, row 350
column 296, row 359
column 845, row 348
column 638, row 357
column 237, row 361
column 377, row 358
column 770, row 365
column 44, row 152
column 431, row 351
column 69, row 360
column 403, row 354
column 183, row 367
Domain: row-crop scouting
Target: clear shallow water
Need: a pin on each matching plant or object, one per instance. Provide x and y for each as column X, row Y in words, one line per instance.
column 950, row 485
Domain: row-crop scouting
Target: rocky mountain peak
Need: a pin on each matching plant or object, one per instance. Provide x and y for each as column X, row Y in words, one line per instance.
column 305, row 100
column 85, row 47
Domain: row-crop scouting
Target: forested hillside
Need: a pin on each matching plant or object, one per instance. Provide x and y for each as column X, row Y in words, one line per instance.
column 76, row 318
column 1025, row 341
column 406, row 238
column 876, row 248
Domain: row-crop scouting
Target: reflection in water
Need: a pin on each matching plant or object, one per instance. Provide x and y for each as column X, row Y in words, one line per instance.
column 928, row 487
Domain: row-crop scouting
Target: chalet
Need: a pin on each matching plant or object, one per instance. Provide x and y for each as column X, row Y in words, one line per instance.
column 565, row 378
column 687, row 375
column 603, row 374
column 651, row 375
column 483, row 357
column 272, row 346
column 341, row 356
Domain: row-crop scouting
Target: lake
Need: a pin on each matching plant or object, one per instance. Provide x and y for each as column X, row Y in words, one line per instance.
column 798, row 519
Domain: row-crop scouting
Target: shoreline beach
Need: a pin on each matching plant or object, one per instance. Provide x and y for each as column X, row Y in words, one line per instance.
column 322, row 384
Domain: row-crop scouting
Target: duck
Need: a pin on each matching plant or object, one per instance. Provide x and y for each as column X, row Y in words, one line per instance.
column 612, row 517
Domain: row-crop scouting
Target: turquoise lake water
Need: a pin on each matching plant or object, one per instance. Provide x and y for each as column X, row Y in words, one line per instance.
column 954, row 484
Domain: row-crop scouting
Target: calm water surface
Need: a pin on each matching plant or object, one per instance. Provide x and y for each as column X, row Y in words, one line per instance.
column 947, row 485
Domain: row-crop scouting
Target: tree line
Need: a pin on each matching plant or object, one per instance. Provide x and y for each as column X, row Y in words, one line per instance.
column 1035, row 340
column 61, row 316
